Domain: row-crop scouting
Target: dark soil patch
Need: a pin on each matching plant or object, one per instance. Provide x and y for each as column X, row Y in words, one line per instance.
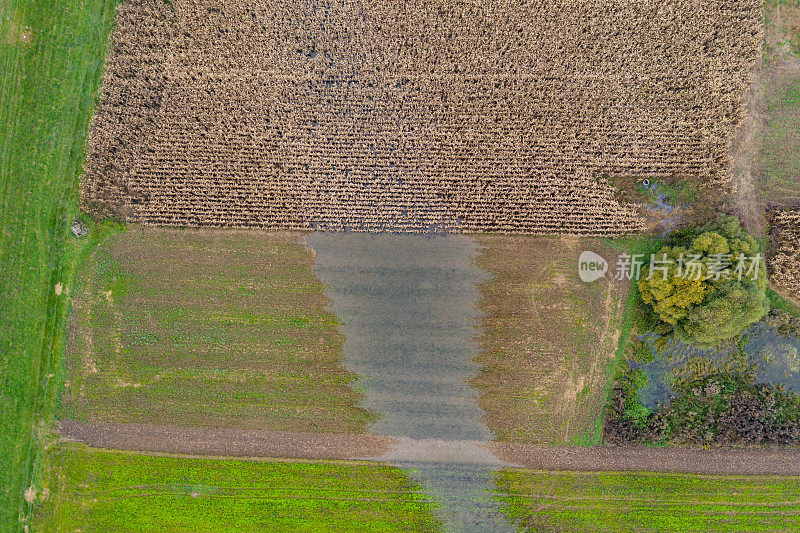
column 224, row 441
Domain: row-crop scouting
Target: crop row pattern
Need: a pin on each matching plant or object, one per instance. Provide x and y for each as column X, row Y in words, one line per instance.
column 410, row 116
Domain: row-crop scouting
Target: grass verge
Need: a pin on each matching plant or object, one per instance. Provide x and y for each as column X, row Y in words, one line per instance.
column 630, row 321
column 51, row 61
column 776, row 301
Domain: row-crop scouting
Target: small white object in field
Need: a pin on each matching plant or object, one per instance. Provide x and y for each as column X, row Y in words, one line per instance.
column 78, row 228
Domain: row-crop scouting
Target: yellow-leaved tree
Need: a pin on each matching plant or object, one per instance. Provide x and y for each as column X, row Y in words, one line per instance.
column 708, row 283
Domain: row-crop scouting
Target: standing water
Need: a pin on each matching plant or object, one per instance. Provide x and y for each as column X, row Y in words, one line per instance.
column 407, row 304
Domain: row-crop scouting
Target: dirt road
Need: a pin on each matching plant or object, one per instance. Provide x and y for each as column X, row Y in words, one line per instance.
column 724, row 461
column 224, row 441
column 265, row 444
column 744, row 156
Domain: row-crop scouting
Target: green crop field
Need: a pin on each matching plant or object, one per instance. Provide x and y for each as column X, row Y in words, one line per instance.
column 95, row 490
column 207, row 328
column 570, row 501
column 51, row 56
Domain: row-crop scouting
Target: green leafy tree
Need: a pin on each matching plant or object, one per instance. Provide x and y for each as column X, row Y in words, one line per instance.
column 707, row 284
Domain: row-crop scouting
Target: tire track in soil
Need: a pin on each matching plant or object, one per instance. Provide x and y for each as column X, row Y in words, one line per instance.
column 222, row 442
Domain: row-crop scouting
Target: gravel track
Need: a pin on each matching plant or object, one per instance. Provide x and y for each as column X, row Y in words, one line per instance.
column 224, row 441
column 266, row 444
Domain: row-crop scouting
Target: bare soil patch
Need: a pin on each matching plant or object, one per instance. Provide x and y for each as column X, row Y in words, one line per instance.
column 231, row 442
column 748, row 203
column 546, row 338
column 17, row 32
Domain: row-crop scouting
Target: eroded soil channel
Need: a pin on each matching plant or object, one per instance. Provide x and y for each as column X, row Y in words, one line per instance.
column 407, row 305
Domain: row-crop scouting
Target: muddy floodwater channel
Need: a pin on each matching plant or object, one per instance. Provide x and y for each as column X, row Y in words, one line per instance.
column 407, row 307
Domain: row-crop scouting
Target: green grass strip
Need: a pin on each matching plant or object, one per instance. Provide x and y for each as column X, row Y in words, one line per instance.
column 51, row 57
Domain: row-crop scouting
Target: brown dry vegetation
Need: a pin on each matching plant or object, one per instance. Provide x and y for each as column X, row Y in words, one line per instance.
column 547, row 338
column 222, row 329
column 784, row 257
column 494, row 116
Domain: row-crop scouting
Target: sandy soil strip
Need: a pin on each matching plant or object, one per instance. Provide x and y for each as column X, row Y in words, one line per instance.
column 254, row 443
column 730, row 461
column 225, row 442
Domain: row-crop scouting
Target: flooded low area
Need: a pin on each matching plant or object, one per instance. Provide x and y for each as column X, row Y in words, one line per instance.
column 407, row 306
column 465, row 496
column 408, row 310
column 771, row 356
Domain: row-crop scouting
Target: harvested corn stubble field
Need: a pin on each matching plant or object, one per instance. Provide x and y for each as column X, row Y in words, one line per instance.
column 380, row 115
column 785, row 251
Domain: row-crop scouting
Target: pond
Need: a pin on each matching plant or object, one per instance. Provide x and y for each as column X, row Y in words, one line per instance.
column 774, row 357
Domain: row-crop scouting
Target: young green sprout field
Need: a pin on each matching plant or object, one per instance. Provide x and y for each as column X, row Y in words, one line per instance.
column 598, row 501
column 96, row 490
column 212, row 329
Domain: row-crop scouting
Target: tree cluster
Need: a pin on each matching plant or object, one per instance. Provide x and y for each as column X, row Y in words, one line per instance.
column 707, row 284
